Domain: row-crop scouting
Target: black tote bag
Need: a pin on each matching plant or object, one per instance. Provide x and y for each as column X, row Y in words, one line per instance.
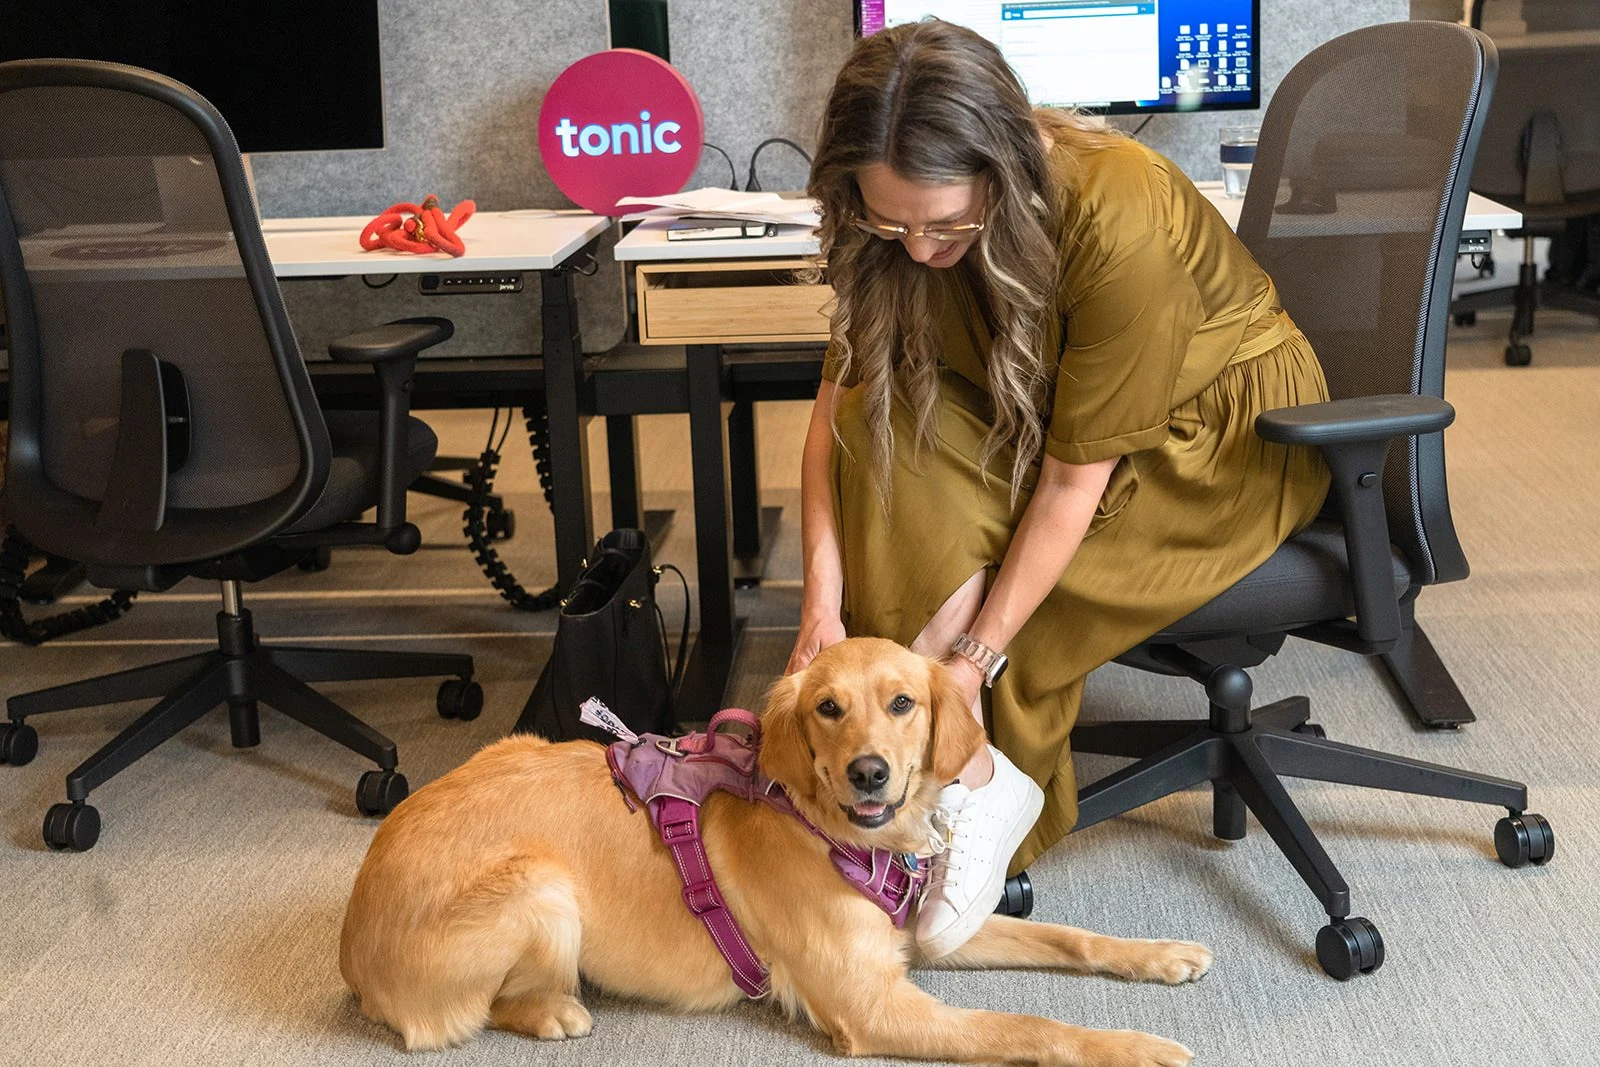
column 610, row 647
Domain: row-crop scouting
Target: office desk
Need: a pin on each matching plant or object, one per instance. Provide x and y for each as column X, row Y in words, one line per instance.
column 709, row 295
column 497, row 242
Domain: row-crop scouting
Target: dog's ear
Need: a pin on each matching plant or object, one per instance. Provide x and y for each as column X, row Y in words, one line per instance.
column 956, row 734
column 785, row 756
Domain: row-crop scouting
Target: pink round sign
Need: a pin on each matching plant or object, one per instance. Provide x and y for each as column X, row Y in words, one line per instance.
column 620, row 123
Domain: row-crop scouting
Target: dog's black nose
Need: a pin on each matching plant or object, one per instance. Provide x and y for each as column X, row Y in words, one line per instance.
column 868, row 773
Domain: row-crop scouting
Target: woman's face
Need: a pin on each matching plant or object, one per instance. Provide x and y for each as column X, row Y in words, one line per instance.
column 894, row 201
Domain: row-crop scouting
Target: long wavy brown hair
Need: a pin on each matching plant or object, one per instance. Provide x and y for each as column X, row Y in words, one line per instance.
column 939, row 105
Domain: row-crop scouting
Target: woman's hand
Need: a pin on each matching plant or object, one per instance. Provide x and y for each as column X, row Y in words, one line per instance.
column 817, row 632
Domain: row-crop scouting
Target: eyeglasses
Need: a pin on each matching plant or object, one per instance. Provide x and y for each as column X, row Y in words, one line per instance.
column 960, row 231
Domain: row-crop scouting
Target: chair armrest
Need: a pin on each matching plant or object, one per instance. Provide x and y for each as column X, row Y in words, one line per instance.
column 1356, row 420
column 1354, row 436
column 392, row 350
column 403, row 337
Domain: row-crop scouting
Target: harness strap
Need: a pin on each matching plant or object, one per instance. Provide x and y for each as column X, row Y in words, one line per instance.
column 875, row 873
column 678, row 823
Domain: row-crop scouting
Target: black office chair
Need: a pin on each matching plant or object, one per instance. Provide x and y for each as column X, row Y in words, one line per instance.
column 1541, row 155
column 162, row 421
column 1357, row 196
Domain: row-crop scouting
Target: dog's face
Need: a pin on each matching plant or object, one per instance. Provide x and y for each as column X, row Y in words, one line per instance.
column 867, row 735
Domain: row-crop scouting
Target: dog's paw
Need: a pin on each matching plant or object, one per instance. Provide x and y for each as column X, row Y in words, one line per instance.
column 1130, row 1048
column 1172, row 962
column 553, row 1017
column 564, row 1018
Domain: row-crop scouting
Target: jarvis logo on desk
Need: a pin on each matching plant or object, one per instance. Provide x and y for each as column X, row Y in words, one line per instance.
column 620, row 123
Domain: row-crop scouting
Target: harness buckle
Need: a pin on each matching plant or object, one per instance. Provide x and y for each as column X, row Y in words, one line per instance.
column 682, row 832
column 703, row 897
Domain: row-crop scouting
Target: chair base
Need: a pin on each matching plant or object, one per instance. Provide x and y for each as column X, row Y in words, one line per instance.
column 243, row 675
column 1524, row 298
column 1245, row 754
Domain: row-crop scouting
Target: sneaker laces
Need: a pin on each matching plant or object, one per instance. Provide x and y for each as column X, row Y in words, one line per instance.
column 949, row 857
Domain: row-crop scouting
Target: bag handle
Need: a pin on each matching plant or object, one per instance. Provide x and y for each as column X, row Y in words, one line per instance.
column 683, row 637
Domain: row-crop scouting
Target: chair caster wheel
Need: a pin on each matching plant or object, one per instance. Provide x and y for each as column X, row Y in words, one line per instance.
column 317, row 560
column 1524, row 839
column 1346, row 947
column 459, row 698
column 1518, row 355
column 1017, row 901
column 501, row 525
column 71, row 827
column 379, row 791
column 1466, row 318
column 19, row 743
column 1314, row 729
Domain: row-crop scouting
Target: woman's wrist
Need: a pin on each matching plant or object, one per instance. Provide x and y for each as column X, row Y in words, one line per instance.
column 824, row 603
column 964, row 669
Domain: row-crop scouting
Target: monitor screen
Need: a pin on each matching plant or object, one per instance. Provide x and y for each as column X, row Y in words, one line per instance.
column 1113, row 56
column 287, row 75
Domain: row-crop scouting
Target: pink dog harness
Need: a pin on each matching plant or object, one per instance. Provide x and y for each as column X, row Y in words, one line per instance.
column 673, row 776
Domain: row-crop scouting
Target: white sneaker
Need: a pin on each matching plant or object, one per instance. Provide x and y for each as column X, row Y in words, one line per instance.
column 984, row 826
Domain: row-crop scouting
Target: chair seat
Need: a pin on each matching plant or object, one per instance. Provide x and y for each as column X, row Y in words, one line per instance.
column 352, row 485
column 1306, row 581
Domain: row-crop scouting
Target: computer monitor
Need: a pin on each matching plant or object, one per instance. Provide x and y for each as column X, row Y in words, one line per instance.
column 287, row 75
column 1118, row 57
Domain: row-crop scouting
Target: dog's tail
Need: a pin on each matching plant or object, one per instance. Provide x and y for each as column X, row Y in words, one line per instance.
column 511, row 933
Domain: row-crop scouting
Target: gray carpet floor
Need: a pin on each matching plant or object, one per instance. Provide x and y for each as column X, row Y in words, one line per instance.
column 203, row 928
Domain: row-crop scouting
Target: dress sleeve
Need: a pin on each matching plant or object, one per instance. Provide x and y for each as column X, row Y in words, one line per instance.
column 1128, row 329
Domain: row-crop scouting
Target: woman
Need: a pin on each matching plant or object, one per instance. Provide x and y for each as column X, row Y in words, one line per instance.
column 1034, row 437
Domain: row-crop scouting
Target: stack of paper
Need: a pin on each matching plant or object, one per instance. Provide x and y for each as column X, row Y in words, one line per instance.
column 725, row 204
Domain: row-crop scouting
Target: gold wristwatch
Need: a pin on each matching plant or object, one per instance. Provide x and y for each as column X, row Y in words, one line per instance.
column 990, row 662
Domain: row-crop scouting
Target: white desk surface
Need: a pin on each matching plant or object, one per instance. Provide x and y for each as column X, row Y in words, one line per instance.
column 304, row 248
column 1482, row 213
column 648, row 241
column 496, row 240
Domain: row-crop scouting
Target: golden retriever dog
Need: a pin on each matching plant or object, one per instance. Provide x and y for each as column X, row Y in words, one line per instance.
column 487, row 893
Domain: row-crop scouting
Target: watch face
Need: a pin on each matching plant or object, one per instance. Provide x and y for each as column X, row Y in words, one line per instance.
column 999, row 669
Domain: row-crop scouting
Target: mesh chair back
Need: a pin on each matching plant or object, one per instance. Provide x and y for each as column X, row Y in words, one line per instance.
column 126, row 224
column 1499, row 18
column 1557, row 73
column 1354, row 208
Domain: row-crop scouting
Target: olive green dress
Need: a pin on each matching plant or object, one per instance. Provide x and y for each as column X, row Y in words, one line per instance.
column 1170, row 342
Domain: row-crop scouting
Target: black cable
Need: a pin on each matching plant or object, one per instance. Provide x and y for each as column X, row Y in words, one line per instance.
column 675, row 681
column 14, row 555
column 750, row 183
column 733, row 175
column 381, row 285
column 1137, row 130
column 480, row 483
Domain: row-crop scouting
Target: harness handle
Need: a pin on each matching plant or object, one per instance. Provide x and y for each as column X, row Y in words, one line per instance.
column 736, row 715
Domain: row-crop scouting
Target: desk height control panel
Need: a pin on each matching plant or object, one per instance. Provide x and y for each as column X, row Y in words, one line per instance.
column 451, row 284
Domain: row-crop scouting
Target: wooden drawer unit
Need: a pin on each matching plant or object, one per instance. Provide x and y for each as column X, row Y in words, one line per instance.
column 696, row 302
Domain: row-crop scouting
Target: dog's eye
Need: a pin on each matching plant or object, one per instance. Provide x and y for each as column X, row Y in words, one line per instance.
column 829, row 710
column 901, row 704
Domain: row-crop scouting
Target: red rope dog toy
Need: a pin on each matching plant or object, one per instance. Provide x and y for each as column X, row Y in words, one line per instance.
column 427, row 230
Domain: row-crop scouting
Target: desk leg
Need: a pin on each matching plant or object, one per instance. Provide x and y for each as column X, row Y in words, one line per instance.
column 569, row 441
column 711, row 661
column 622, row 455
column 754, row 528
column 743, row 480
